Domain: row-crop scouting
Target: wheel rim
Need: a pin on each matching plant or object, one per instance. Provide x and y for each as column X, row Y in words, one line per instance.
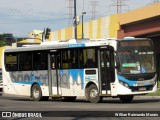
column 93, row 93
column 36, row 93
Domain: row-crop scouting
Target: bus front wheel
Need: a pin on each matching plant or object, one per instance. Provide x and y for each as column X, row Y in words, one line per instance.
column 36, row 92
column 126, row 98
column 92, row 94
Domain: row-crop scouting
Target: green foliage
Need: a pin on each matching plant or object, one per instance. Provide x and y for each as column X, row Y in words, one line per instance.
column 2, row 40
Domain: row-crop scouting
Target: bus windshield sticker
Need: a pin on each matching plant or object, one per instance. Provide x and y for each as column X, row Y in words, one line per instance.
column 129, row 65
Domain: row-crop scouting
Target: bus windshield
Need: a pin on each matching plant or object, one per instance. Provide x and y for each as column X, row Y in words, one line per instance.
column 136, row 59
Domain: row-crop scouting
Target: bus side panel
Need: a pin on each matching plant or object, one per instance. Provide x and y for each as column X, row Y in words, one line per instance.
column 45, row 90
column 91, row 76
column 9, row 86
column 72, row 82
column 56, row 88
column 20, row 82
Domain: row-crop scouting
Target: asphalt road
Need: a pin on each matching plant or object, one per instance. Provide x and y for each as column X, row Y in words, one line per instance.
column 143, row 106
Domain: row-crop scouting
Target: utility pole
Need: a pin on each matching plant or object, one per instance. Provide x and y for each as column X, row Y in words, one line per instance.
column 82, row 23
column 75, row 20
column 70, row 12
column 94, row 5
column 119, row 4
column 155, row 1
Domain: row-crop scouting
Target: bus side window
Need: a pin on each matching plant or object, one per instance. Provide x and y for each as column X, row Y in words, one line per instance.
column 65, row 64
column 74, row 59
column 40, row 60
column 55, row 64
column 27, row 66
column 91, row 62
column 80, row 59
column 43, row 65
column 65, row 59
column 25, row 61
column 11, row 61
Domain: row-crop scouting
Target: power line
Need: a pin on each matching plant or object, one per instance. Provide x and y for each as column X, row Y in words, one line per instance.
column 70, row 11
column 13, row 21
column 155, row 1
column 119, row 4
column 94, row 5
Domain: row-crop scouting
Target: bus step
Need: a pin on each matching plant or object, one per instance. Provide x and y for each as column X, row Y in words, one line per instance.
column 55, row 96
column 105, row 95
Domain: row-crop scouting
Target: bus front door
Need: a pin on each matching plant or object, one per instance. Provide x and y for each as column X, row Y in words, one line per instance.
column 106, row 70
column 54, row 75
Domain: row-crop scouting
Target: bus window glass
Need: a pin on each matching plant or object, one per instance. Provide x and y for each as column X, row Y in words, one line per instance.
column 136, row 59
column 25, row 61
column 65, row 62
column 73, row 61
column 11, row 61
column 40, row 60
column 81, row 58
column 53, row 61
column 91, row 59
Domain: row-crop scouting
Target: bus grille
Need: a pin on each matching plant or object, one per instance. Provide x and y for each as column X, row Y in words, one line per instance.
column 141, row 88
column 139, row 78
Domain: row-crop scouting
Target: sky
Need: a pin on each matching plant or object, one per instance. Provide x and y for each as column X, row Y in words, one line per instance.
column 23, row 16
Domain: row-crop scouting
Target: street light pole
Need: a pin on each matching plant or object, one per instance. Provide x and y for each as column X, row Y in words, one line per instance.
column 75, row 20
column 82, row 24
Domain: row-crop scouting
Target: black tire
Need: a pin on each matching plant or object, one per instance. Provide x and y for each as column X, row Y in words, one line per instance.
column 36, row 93
column 126, row 98
column 92, row 94
column 69, row 99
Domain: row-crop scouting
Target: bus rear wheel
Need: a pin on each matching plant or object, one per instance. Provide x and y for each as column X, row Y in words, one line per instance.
column 92, row 94
column 36, row 93
column 126, row 98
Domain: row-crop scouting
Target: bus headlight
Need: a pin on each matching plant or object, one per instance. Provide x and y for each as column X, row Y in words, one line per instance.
column 154, row 83
column 124, row 84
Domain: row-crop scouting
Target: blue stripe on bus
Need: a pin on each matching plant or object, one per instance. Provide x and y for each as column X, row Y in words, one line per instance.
column 74, row 73
column 29, row 83
column 147, row 84
column 76, row 45
column 129, row 82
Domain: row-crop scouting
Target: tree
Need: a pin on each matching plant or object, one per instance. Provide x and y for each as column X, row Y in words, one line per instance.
column 6, row 39
column 2, row 40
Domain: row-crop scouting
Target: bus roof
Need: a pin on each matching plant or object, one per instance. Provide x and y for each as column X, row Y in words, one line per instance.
column 61, row 45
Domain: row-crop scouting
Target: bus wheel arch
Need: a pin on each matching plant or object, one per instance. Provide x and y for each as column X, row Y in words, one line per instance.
column 36, row 92
column 91, row 93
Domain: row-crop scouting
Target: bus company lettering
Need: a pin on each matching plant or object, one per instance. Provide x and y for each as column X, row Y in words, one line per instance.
column 64, row 79
column 30, row 77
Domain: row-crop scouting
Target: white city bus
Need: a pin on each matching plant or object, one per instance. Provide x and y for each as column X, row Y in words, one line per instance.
column 90, row 68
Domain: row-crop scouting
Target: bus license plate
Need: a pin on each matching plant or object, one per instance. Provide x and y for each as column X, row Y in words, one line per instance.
column 142, row 88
